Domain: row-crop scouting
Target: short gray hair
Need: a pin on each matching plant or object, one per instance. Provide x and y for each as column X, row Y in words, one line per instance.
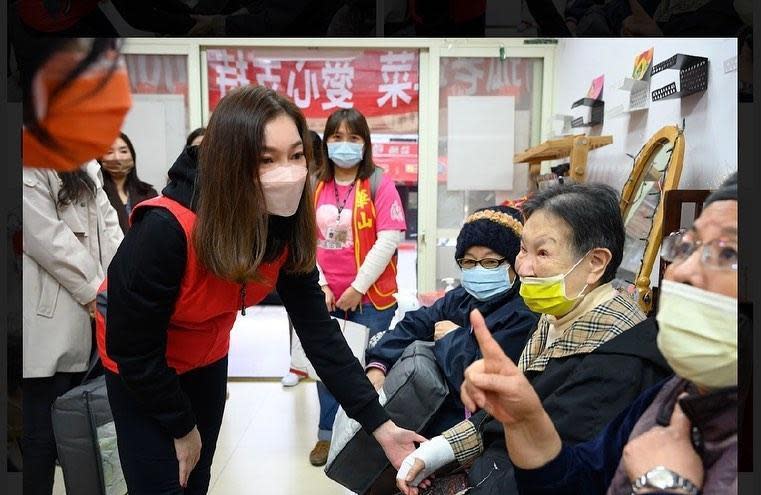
column 593, row 214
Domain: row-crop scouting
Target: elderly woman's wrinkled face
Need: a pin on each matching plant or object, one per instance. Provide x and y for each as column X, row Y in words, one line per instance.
column 547, row 250
column 717, row 228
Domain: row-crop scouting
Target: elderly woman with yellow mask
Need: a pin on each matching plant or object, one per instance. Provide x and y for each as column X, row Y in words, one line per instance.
column 592, row 352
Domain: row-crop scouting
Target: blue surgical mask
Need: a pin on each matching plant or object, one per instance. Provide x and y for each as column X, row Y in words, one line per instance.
column 482, row 283
column 345, row 154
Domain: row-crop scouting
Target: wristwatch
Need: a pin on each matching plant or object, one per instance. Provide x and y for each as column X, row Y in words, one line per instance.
column 663, row 478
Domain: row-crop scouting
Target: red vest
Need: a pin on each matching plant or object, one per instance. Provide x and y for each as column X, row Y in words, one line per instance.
column 206, row 306
column 381, row 293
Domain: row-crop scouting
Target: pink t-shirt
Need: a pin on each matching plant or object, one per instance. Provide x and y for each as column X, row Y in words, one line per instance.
column 335, row 237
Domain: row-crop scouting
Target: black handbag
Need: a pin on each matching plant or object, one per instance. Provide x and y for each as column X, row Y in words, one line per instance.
column 86, row 438
column 415, row 389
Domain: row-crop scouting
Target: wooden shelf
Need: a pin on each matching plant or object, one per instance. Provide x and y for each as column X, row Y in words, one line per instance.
column 576, row 147
column 555, row 149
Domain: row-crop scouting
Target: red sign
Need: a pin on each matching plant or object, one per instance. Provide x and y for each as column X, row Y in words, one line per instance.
column 486, row 77
column 376, row 82
column 157, row 74
column 399, row 159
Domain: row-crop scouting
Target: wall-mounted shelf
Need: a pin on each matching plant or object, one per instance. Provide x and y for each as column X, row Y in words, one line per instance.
column 576, row 147
column 639, row 94
column 560, row 125
column 587, row 112
column 679, row 76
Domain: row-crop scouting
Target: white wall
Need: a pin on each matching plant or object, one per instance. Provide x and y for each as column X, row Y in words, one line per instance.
column 157, row 126
column 710, row 117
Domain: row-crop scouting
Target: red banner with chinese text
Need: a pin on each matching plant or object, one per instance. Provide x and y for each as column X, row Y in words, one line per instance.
column 375, row 82
column 382, row 84
column 487, row 76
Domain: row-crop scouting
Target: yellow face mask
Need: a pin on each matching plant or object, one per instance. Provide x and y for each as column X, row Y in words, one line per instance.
column 547, row 295
column 697, row 334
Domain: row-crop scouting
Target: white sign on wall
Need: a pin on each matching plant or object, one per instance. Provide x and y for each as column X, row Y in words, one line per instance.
column 156, row 125
column 481, row 143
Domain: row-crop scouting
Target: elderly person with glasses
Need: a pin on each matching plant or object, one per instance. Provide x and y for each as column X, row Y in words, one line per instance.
column 592, row 352
column 486, row 249
column 679, row 436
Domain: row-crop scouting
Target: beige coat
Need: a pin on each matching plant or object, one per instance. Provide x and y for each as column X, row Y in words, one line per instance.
column 66, row 253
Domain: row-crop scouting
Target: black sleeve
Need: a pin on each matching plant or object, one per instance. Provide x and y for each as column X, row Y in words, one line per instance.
column 416, row 325
column 143, row 283
column 598, row 390
column 327, row 349
column 165, row 17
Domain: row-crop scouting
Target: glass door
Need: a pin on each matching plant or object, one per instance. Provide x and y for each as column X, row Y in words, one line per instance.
column 489, row 106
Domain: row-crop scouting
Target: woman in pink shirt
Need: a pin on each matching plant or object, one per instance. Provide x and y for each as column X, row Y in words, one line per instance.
column 360, row 222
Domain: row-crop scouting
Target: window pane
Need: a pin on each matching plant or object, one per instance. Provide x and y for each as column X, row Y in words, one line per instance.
column 466, row 76
column 157, row 124
column 382, row 84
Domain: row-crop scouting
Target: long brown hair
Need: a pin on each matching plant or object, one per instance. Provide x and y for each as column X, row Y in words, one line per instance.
column 233, row 233
column 133, row 185
column 357, row 124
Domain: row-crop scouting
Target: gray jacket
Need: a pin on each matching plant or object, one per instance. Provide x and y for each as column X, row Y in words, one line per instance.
column 66, row 253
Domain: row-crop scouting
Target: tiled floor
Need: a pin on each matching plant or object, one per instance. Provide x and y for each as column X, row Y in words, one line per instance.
column 264, row 443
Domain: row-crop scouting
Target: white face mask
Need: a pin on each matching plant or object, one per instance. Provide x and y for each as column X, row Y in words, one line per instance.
column 283, row 187
column 345, row 154
column 698, row 334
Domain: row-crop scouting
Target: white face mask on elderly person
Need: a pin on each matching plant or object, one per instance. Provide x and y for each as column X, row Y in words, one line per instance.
column 485, row 251
column 697, row 311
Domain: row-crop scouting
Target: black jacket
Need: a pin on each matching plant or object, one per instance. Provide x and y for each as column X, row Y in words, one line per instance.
column 506, row 315
column 581, row 393
column 135, row 197
column 143, row 284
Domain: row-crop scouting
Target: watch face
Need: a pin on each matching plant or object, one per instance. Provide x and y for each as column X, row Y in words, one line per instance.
column 661, row 478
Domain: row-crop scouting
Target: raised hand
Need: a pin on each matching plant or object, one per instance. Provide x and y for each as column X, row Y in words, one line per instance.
column 497, row 385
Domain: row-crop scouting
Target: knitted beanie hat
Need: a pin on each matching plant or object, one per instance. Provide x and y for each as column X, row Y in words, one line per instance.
column 496, row 227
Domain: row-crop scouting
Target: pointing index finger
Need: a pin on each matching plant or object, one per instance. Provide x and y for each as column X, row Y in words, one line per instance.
column 495, row 360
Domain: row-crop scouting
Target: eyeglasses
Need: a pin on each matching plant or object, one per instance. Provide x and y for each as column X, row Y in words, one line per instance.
column 717, row 254
column 488, row 263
